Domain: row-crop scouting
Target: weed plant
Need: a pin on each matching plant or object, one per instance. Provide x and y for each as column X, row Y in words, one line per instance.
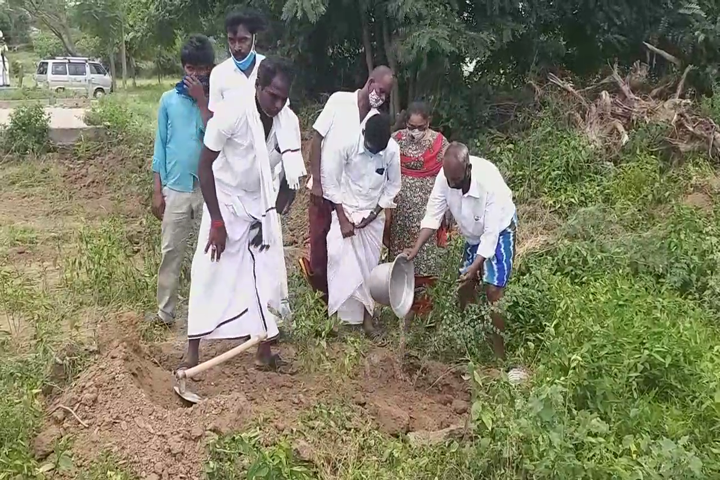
column 28, row 131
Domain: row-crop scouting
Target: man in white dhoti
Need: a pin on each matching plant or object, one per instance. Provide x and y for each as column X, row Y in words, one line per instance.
column 237, row 76
column 363, row 178
column 230, row 292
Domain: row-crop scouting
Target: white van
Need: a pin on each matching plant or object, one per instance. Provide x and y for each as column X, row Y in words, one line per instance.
column 74, row 74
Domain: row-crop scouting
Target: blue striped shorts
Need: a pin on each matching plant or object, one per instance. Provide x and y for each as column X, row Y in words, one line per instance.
column 496, row 269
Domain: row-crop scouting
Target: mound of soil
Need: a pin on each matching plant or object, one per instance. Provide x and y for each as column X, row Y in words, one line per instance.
column 128, row 406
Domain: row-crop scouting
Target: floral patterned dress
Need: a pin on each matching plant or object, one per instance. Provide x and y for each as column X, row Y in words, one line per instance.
column 421, row 160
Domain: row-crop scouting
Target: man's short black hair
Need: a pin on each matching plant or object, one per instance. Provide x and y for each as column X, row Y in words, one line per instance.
column 197, row 51
column 377, row 131
column 271, row 67
column 250, row 19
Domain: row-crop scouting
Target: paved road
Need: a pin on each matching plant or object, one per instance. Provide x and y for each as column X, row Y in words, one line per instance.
column 59, row 117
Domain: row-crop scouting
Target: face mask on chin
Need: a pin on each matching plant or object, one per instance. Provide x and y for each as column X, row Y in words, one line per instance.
column 376, row 100
column 244, row 64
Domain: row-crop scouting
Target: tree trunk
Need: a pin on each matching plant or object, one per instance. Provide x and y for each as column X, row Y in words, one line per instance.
column 68, row 41
column 367, row 44
column 123, row 53
column 56, row 22
column 63, row 34
column 157, row 67
column 133, row 70
column 113, row 72
column 392, row 63
column 411, row 86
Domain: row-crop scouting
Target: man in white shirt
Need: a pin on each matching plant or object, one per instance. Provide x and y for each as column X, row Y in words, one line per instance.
column 481, row 203
column 230, row 294
column 361, row 180
column 240, row 70
column 340, row 123
column 237, row 76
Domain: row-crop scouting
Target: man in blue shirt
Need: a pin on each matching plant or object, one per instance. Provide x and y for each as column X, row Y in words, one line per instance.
column 177, row 200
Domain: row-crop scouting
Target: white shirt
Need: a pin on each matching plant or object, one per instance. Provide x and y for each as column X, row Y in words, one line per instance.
column 227, row 78
column 359, row 180
column 339, row 124
column 481, row 214
column 229, row 133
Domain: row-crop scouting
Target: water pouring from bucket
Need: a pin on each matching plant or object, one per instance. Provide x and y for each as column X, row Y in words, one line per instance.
column 393, row 284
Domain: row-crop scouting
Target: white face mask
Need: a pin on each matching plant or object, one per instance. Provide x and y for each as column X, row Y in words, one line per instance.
column 376, row 100
column 417, row 134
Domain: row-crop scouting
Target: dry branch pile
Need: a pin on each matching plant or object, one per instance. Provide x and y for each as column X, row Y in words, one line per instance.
column 609, row 119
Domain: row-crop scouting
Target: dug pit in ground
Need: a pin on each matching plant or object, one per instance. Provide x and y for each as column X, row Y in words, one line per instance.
column 124, row 404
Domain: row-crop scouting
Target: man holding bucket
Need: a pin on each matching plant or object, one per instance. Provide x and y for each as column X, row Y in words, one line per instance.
column 361, row 180
column 481, row 203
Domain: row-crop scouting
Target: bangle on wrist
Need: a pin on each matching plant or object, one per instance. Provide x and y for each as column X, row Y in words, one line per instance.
column 217, row 224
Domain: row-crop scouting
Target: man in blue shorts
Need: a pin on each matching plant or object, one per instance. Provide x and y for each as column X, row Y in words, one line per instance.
column 481, row 203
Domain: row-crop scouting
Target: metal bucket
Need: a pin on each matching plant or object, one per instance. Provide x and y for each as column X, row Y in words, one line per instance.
column 393, row 284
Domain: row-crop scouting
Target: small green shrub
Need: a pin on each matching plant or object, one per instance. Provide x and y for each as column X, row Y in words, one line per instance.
column 448, row 332
column 109, row 269
column 124, row 122
column 112, row 114
column 242, row 454
column 28, row 131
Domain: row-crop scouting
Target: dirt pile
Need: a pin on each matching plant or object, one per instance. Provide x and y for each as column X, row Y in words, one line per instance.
column 124, row 404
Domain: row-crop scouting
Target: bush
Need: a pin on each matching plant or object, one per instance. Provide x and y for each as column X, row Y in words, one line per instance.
column 123, row 122
column 47, row 45
column 28, row 132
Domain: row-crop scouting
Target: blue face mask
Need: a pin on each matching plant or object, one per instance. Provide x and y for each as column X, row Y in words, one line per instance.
column 182, row 89
column 244, row 64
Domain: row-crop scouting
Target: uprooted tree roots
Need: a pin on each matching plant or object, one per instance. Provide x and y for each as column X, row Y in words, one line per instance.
column 608, row 119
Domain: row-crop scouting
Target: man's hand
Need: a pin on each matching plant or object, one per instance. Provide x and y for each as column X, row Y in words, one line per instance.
column 346, row 227
column 216, row 242
column 472, row 276
column 285, row 198
column 367, row 220
column 158, row 205
column 316, row 192
column 195, row 89
column 410, row 253
column 257, row 240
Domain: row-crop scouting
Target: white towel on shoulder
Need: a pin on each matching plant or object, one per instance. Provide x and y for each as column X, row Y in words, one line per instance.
column 290, row 145
column 268, row 194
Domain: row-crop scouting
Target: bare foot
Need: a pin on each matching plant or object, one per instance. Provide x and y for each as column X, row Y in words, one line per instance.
column 192, row 357
column 370, row 331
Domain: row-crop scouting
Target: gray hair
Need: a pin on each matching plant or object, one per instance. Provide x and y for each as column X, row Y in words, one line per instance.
column 459, row 151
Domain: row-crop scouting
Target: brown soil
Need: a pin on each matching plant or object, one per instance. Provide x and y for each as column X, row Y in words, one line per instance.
column 295, row 224
column 128, row 404
column 699, row 200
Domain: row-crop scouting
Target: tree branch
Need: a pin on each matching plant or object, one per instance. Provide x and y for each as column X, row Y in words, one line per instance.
column 664, row 54
column 681, row 85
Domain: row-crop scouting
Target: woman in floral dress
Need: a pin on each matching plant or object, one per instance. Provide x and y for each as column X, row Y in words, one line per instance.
column 421, row 155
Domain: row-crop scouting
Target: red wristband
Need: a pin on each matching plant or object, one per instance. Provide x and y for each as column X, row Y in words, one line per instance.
column 217, row 224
